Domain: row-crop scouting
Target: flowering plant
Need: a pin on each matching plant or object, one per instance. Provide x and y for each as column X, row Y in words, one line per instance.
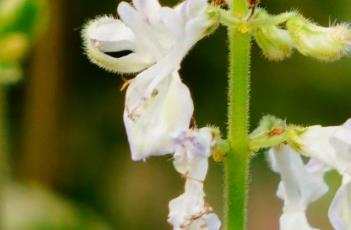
column 152, row 40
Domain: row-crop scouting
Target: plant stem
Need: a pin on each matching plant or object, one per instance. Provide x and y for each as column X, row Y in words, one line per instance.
column 236, row 165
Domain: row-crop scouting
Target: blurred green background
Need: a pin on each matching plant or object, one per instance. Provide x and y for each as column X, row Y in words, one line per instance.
column 67, row 132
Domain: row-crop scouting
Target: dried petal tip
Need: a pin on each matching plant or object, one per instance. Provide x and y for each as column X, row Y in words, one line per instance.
column 323, row 43
column 190, row 212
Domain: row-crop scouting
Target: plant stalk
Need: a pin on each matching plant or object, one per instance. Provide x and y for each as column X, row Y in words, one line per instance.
column 236, row 165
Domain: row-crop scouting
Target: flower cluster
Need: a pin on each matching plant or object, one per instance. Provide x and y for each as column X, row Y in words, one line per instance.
column 279, row 35
column 152, row 39
column 329, row 148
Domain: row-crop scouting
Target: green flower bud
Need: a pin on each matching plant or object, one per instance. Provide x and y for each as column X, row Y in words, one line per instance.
column 275, row 43
column 323, row 43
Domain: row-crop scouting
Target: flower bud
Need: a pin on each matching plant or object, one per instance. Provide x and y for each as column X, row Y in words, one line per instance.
column 276, row 43
column 323, row 43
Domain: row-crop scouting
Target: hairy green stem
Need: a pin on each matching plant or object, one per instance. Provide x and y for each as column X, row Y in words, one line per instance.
column 236, row 165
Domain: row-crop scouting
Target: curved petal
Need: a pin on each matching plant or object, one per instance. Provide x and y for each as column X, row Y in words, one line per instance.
column 300, row 185
column 315, row 143
column 152, row 123
column 110, row 44
column 331, row 145
column 340, row 208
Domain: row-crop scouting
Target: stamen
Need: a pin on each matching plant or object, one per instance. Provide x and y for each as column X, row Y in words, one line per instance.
column 125, row 85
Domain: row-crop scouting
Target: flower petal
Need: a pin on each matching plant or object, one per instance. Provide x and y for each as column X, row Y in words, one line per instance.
column 157, row 36
column 189, row 211
column 316, row 143
column 198, row 21
column 110, row 44
column 193, row 148
column 206, row 222
column 151, row 123
column 331, row 145
column 341, row 142
column 340, row 208
column 149, row 8
column 190, row 204
column 300, row 185
column 294, row 221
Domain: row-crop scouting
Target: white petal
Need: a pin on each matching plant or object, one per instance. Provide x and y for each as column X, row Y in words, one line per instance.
column 193, row 148
column 190, row 204
column 300, row 185
column 294, row 221
column 107, row 35
column 163, row 29
column 141, row 28
column 189, row 211
column 197, row 21
column 315, row 143
column 213, row 222
column 149, row 9
column 157, row 36
column 340, row 208
column 152, row 122
column 195, row 169
column 341, row 142
column 331, row 145
column 206, row 222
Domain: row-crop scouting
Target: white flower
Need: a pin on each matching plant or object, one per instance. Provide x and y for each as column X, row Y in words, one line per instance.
column 301, row 185
column 329, row 148
column 192, row 151
column 152, row 39
column 332, row 146
column 189, row 211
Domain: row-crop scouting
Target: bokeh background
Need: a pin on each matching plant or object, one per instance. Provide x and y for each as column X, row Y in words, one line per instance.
column 68, row 148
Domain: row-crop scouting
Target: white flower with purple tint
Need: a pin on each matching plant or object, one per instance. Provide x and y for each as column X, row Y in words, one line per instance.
column 189, row 211
column 154, row 40
column 329, row 148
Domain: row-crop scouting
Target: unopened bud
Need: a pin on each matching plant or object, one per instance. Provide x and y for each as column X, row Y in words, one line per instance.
column 323, row 43
column 276, row 43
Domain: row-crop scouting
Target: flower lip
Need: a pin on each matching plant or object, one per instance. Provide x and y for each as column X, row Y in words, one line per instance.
column 112, row 45
column 110, row 35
